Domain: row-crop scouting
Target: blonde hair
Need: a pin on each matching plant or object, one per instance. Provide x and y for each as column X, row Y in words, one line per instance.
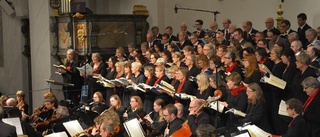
column 99, row 94
column 21, row 93
column 138, row 100
column 204, row 80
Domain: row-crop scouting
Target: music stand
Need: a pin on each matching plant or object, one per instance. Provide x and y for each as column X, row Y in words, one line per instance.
column 60, row 84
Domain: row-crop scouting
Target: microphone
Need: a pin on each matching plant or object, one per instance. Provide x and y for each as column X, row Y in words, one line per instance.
column 175, row 8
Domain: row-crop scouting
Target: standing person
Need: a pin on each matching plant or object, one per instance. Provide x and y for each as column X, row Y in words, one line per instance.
column 288, row 58
column 252, row 73
column 119, row 74
column 298, row 126
column 311, row 109
column 199, row 32
column 257, row 110
column 204, row 88
column 303, row 27
column 149, row 96
column 236, row 99
column 72, row 75
column 136, row 78
column 111, row 74
column 303, row 61
column 160, row 75
column 126, row 93
column 99, row 68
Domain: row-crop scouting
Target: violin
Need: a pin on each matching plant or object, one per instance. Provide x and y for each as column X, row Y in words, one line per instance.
column 86, row 131
column 21, row 105
column 42, row 126
column 116, row 130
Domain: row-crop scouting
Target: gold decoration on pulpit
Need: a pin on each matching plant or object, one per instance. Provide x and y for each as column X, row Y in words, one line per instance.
column 55, row 4
column 280, row 17
column 81, row 34
column 78, row 15
column 117, row 35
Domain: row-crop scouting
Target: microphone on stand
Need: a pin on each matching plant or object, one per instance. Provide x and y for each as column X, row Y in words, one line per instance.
column 175, row 8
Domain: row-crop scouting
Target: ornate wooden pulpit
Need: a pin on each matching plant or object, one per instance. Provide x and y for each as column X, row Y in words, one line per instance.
column 97, row 33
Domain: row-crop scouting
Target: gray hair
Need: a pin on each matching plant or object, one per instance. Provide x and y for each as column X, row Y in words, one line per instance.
column 63, row 111
column 299, row 43
column 311, row 82
column 304, row 58
column 11, row 102
column 294, row 35
column 71, row 51
column 98, row 55
column 107, row 126
column 312, row 32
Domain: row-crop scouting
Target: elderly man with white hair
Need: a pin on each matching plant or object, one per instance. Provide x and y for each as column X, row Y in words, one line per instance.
column 11, row 102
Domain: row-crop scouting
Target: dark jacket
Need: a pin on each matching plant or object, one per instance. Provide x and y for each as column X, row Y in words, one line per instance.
column 297, row 128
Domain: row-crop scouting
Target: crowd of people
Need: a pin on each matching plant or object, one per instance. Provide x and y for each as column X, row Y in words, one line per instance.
column 183, row 72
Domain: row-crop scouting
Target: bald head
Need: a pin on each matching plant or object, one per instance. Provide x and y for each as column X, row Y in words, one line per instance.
column 11, row 102
column 232, row 27
column 150, row 37
column 247, row 26
column 269, row 23
column 183, row 26
column 226, row 23
column 213, row 26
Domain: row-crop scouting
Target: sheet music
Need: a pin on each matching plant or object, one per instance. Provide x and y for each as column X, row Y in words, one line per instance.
column 58, row 134
column 73, row 127
column 14, row 122
column 256, row 131
column 85, row 69
column 133, row 128
column 283, row 108
column 275, row 81
column 213, row 105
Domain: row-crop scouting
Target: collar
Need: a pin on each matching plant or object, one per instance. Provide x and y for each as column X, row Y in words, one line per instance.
column 303, row 26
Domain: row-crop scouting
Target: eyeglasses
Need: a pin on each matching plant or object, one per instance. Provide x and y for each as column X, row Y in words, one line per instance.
column 305, row 88
column 165, row 115
column 226, row 57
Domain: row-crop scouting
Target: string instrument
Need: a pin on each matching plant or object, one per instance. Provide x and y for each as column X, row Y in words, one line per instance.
column 39, row 111
column 115, row 131
column 184, row 130
column 42, row 126
column 21, row 105
column 86, row 131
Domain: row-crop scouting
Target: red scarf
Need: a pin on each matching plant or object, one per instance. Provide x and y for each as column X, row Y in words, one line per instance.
column 229, row 69
column 263, row 61
column 310, row 99
column 158, row 80
column 291, row 122
column 148, row 80
column 238, row 90
column 180, row 86
column 68, row 68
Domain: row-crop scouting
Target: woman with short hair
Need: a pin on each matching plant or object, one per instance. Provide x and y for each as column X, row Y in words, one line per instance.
column 236, row 99
column 311, row 109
